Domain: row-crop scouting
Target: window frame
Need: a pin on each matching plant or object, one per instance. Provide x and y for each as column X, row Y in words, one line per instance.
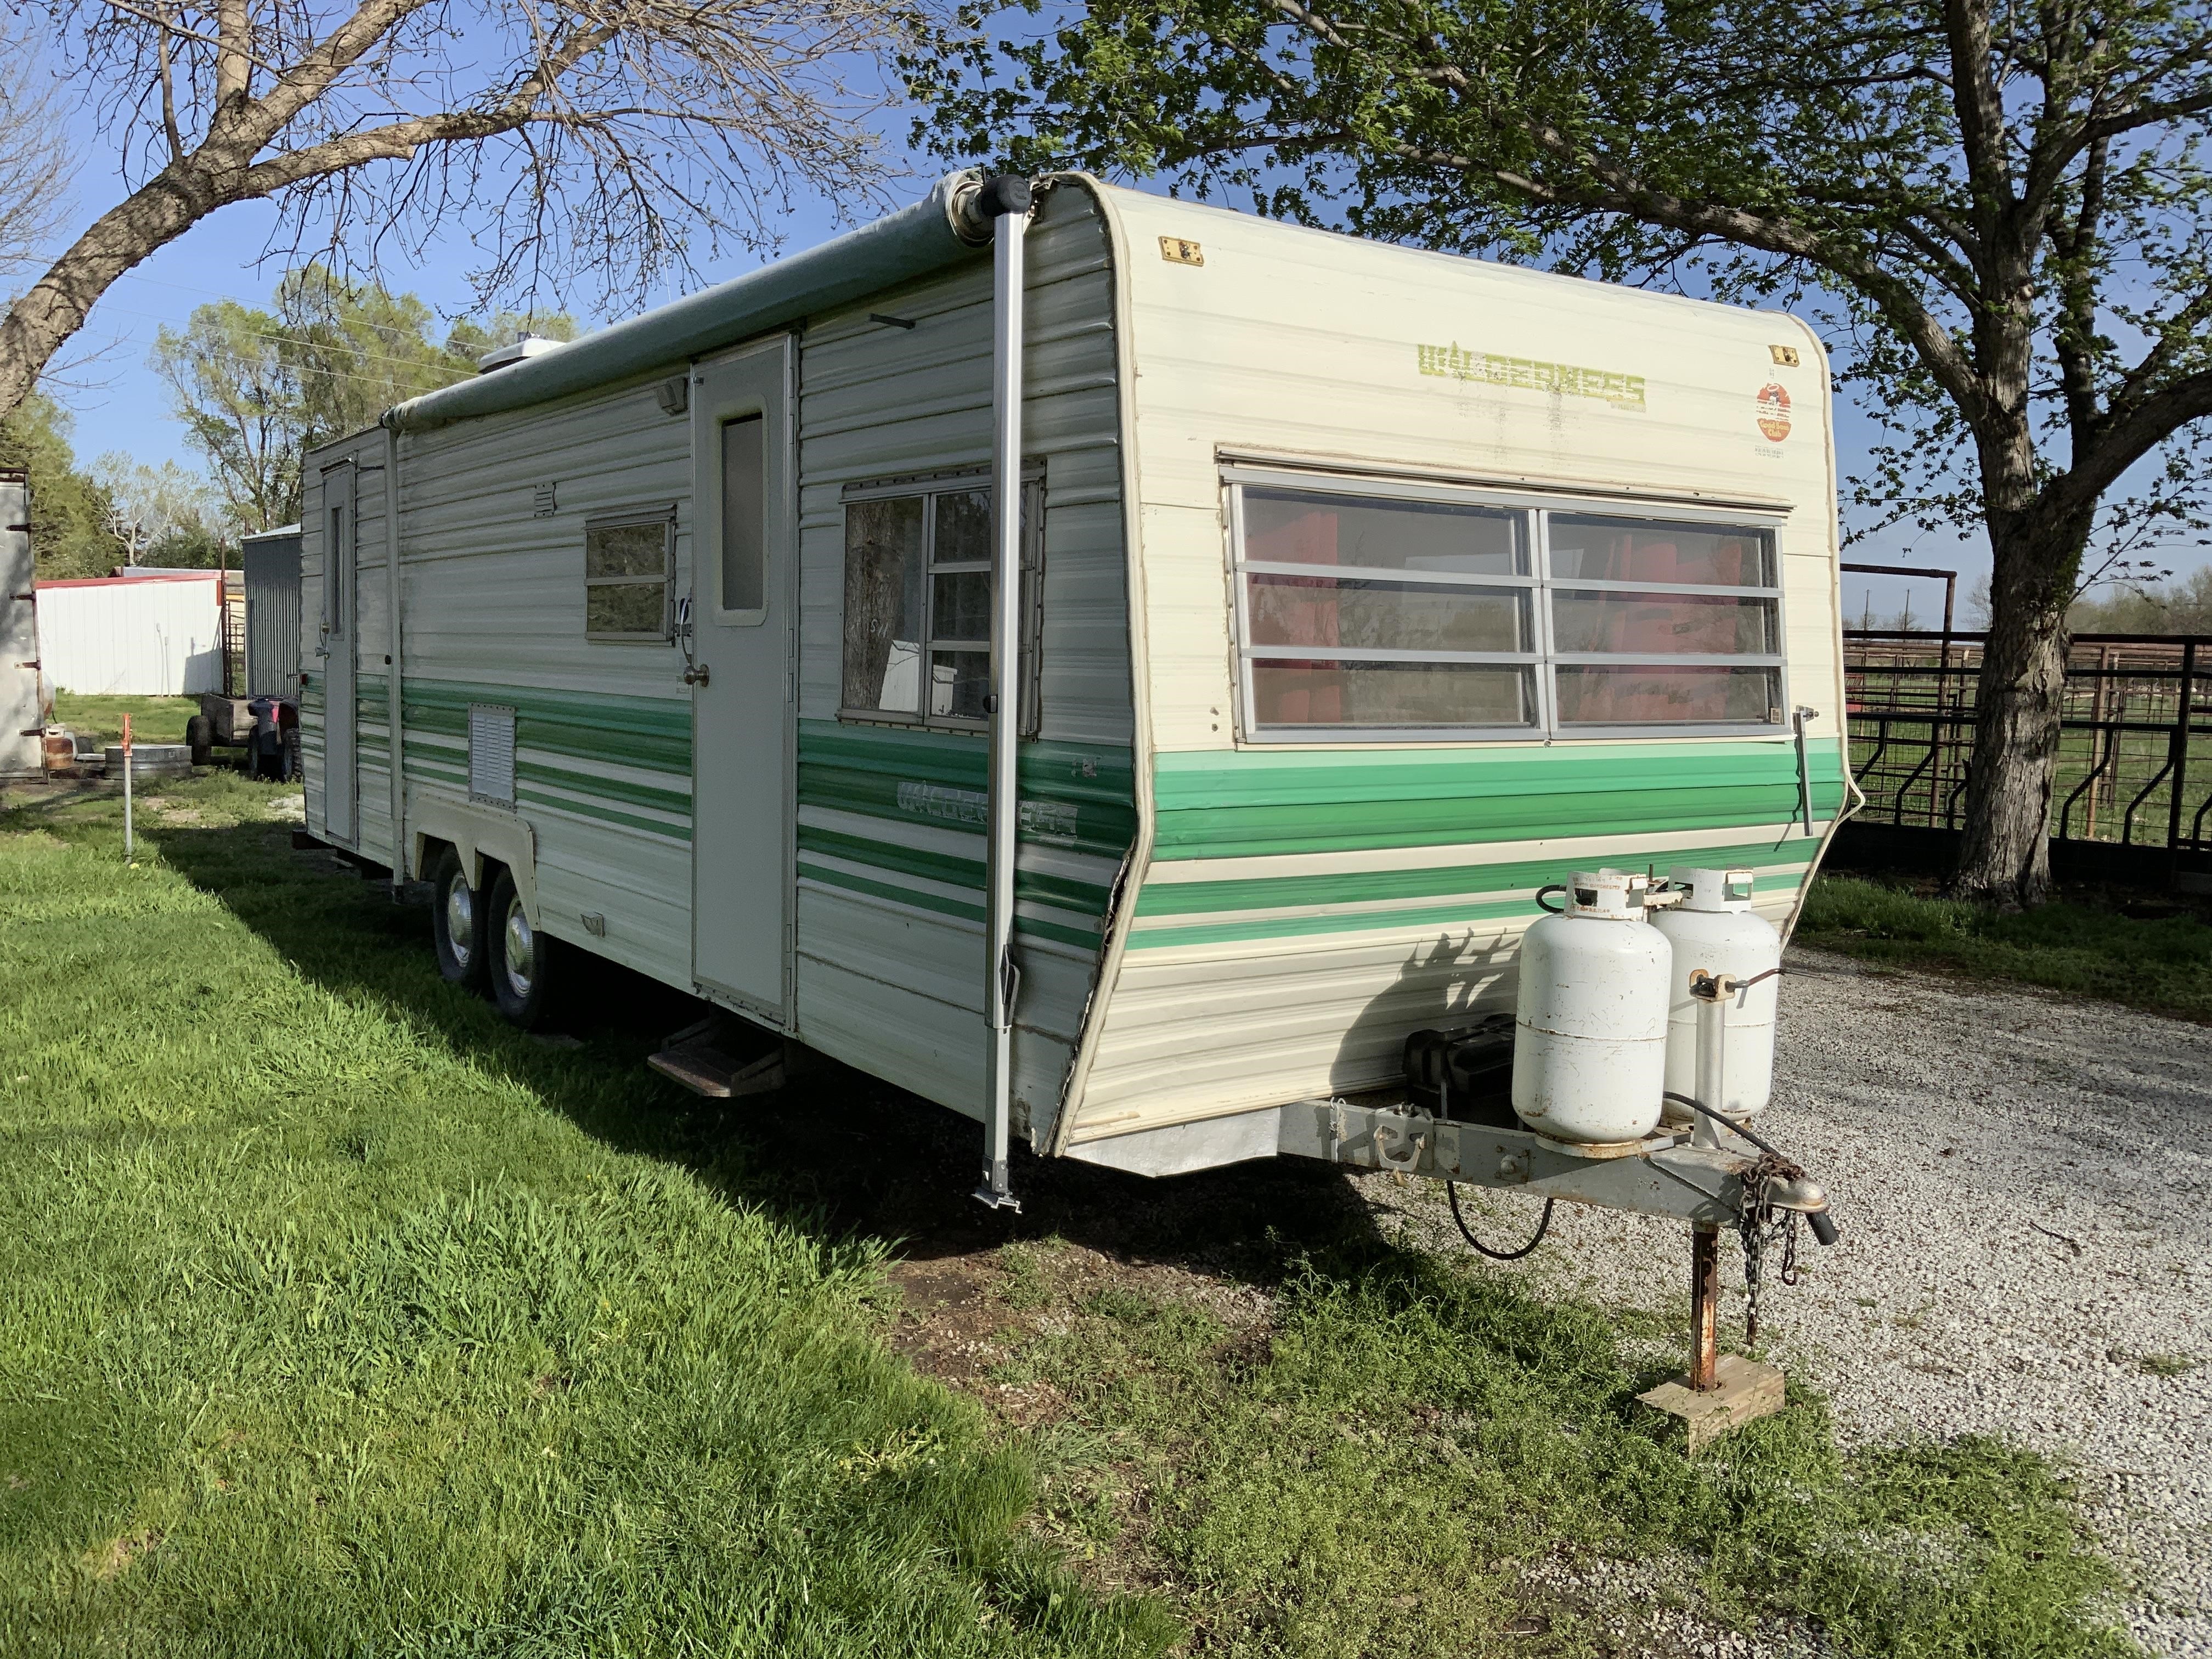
column 926, row 487
column 1534, row 509
column 664, row 516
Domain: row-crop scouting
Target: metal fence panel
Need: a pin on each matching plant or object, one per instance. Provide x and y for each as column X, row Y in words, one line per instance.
column 2134, row 759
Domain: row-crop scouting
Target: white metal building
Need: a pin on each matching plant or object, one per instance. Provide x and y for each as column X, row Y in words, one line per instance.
column 152, row 635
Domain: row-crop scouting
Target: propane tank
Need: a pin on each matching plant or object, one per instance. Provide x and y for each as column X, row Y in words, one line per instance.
column 1715, row 931
column 1590, row 1039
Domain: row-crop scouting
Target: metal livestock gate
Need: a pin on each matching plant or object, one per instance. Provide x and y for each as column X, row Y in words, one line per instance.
column 2134, row 791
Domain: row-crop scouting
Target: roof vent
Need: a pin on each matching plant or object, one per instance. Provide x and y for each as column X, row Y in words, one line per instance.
column 529, row 346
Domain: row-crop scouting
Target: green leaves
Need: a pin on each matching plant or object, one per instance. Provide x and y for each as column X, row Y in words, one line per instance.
column 257, row 389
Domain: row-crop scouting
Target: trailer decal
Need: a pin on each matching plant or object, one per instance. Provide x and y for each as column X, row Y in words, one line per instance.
column 1456, row 362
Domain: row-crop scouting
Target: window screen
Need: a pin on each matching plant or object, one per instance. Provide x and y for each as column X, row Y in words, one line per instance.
column 744, row 507
column 918, row 605
column 629, row 568
column 1411, row 617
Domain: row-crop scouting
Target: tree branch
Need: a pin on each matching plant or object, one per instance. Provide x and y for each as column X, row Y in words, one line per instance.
column 168, row 95
column 170, row 26
column 2126, row 440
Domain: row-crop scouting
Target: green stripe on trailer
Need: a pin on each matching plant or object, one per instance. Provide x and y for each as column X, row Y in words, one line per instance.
column 651, row 734
column 1175, row 898
column 1426, row 915
column 942, row 906
column 1075, row 795
column 592, row 809
column 617, row 789
column 950, row 868
column 1222, row 804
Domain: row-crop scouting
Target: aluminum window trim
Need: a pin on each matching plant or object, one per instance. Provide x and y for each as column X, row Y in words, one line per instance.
column 1360, row 573
column 1536, row 509
column 1662, row 590
column 1381, row 654
column 925, row 487
column 1515, row 497
column 667, row 518
column 1661, row 659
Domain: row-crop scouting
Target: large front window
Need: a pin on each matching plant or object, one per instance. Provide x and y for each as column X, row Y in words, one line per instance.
column 1429, row 613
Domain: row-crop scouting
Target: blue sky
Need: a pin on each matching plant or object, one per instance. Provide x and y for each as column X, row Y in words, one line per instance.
column 121, row 404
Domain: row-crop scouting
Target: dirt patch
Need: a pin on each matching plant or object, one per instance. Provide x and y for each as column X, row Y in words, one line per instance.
column 112, row 1558
column 949, row 1318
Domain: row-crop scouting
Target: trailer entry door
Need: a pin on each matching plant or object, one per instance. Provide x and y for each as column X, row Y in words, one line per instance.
column 339, row 632
column 744, row 618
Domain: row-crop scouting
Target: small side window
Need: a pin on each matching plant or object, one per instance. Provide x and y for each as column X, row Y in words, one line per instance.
column 917, row 604
column 630, row 569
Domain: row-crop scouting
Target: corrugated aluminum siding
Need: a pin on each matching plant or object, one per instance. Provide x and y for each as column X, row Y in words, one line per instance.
column 272, row 615
column 891, row 846
column 494, row 599
column 1305, row 906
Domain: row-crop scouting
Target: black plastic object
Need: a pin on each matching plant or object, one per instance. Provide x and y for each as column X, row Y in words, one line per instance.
column 1823, row 1226
column 1006, row 192
column 1455, row 1055
column 1552, row 909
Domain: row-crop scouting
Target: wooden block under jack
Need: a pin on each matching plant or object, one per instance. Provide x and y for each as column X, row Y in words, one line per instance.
column 1743, row 1391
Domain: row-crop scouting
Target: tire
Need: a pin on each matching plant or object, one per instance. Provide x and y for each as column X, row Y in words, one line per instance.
column 200, row 736
column 457, row 923
column 522, row 964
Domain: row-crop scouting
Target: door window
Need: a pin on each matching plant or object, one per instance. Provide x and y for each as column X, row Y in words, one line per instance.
column 745, row 513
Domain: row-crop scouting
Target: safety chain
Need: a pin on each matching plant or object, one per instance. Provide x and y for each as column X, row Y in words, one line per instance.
column 1761, row 1227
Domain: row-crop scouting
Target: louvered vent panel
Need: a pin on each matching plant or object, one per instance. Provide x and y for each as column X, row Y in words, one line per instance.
column 491, row 753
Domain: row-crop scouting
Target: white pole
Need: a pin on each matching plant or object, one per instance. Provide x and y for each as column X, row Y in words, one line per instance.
column 1005, row 202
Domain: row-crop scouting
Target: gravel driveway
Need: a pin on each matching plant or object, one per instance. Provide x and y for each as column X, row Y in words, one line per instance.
column 2025, row 1187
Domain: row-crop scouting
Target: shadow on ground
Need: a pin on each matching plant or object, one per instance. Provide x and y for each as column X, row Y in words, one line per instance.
column 836, row 1152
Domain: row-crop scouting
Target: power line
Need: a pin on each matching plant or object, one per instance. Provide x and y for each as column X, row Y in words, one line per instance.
column 280, row 338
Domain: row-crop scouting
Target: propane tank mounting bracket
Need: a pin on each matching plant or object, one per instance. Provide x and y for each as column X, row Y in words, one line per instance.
column 1662, row 1177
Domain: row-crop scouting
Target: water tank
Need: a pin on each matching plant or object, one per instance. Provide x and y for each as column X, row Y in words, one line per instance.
column 1715, row 931
column 1590, row 1039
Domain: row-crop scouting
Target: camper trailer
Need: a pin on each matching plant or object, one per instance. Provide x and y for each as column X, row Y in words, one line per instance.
column 1115, row 667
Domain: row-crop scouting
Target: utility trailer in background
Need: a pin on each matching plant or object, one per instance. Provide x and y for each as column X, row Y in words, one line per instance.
column 1355, row 593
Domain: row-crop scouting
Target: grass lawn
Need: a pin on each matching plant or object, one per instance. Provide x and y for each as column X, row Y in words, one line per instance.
column 2162, row 962
column 99, row 719
column 336, row 1317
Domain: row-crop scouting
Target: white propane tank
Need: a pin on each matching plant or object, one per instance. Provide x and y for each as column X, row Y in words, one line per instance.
column 1590, row 1039
column 1715, row 931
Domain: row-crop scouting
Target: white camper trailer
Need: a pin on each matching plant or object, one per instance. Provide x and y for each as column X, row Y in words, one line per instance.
column 1356, row 593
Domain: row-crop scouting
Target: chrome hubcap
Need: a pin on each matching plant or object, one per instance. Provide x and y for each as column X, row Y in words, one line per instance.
column 521, row 947
column 460, row 922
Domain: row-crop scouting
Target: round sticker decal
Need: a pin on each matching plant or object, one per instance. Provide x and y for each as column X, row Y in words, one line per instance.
column 1774, row 412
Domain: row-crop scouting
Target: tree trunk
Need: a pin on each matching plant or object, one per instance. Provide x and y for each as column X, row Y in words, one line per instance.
column 42, row 319
column 2004, row 857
